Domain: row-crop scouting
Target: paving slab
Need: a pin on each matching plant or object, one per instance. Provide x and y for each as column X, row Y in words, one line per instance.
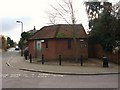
column 90, row 67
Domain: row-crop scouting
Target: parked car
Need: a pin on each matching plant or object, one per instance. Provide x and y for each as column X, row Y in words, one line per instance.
column 17, row 48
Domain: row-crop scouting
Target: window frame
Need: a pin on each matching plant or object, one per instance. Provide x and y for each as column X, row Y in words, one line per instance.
column 69, row 43
column 46, row 43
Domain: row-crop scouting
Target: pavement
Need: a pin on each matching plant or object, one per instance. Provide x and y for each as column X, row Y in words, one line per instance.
column 90, row 66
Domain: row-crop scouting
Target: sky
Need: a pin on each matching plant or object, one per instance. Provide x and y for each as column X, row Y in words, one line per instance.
column 32, row 13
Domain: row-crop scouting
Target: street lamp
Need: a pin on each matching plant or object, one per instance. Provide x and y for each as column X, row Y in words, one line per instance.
column 21, row 33
column 21, row 25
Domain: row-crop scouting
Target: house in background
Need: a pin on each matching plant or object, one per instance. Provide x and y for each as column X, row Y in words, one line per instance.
column 33, row 31
column 55, row 40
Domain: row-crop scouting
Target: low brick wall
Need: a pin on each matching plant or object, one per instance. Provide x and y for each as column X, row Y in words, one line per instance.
column 99, row 54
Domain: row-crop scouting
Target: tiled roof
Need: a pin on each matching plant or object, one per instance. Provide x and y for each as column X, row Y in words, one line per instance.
column 60, row 31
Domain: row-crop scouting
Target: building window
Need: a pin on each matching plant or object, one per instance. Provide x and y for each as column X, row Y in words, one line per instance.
column 46, row 43
column 69, row 43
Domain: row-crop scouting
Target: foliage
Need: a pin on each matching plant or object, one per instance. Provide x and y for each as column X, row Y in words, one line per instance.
column 10, row 42
column 94, row 9
column 20, row 44
column 23, row 40
column 104, row 30
column 116, row 11
column 103, row 23
column 3, row 43
column 117, row 31
column 25, row 35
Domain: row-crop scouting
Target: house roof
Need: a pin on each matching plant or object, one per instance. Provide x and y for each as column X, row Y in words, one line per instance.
column 60, row 31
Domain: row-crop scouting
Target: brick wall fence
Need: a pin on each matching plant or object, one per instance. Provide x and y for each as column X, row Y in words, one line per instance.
column 98, row 51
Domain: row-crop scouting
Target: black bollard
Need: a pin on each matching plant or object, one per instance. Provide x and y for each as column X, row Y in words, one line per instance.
column 25, row 54
column 42, row 59
column 30, row 58
column 59, row 59
column 21, row 52
column 81, row 60
column 26, row 57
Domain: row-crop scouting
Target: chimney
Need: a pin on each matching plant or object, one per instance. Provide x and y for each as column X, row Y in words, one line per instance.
column 34, row 28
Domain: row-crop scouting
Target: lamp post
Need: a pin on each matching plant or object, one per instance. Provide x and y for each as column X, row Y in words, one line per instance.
column 21, row 25
column 21, row 33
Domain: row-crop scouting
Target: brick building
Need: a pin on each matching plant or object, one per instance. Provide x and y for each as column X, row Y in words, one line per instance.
column 55, row 40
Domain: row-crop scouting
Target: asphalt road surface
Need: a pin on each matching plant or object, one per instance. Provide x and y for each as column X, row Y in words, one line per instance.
column 14, row 78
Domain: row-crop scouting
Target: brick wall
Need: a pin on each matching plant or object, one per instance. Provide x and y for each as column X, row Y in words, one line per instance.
column 99, row 53
column 31, row 46
column 60, row 47
column 49, row 53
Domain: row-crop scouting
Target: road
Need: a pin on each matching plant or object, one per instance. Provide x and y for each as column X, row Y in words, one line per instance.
column 15, row 78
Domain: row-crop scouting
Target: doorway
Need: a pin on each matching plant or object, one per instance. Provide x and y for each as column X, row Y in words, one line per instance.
column 38, row 49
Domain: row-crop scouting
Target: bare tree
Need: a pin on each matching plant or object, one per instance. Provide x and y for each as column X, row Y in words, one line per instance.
column 52, row 18
column 64, row 10
column 67, row 12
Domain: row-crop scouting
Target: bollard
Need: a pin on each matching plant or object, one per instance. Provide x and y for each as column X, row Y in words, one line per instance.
column 81, row 60
column 42, row 59
column 25, row 54
column 59, row 59
column 21, row 52
column 30, row 58
column 26, row 57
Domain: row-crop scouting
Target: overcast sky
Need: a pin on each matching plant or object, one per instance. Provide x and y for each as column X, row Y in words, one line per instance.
column 31, row 13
